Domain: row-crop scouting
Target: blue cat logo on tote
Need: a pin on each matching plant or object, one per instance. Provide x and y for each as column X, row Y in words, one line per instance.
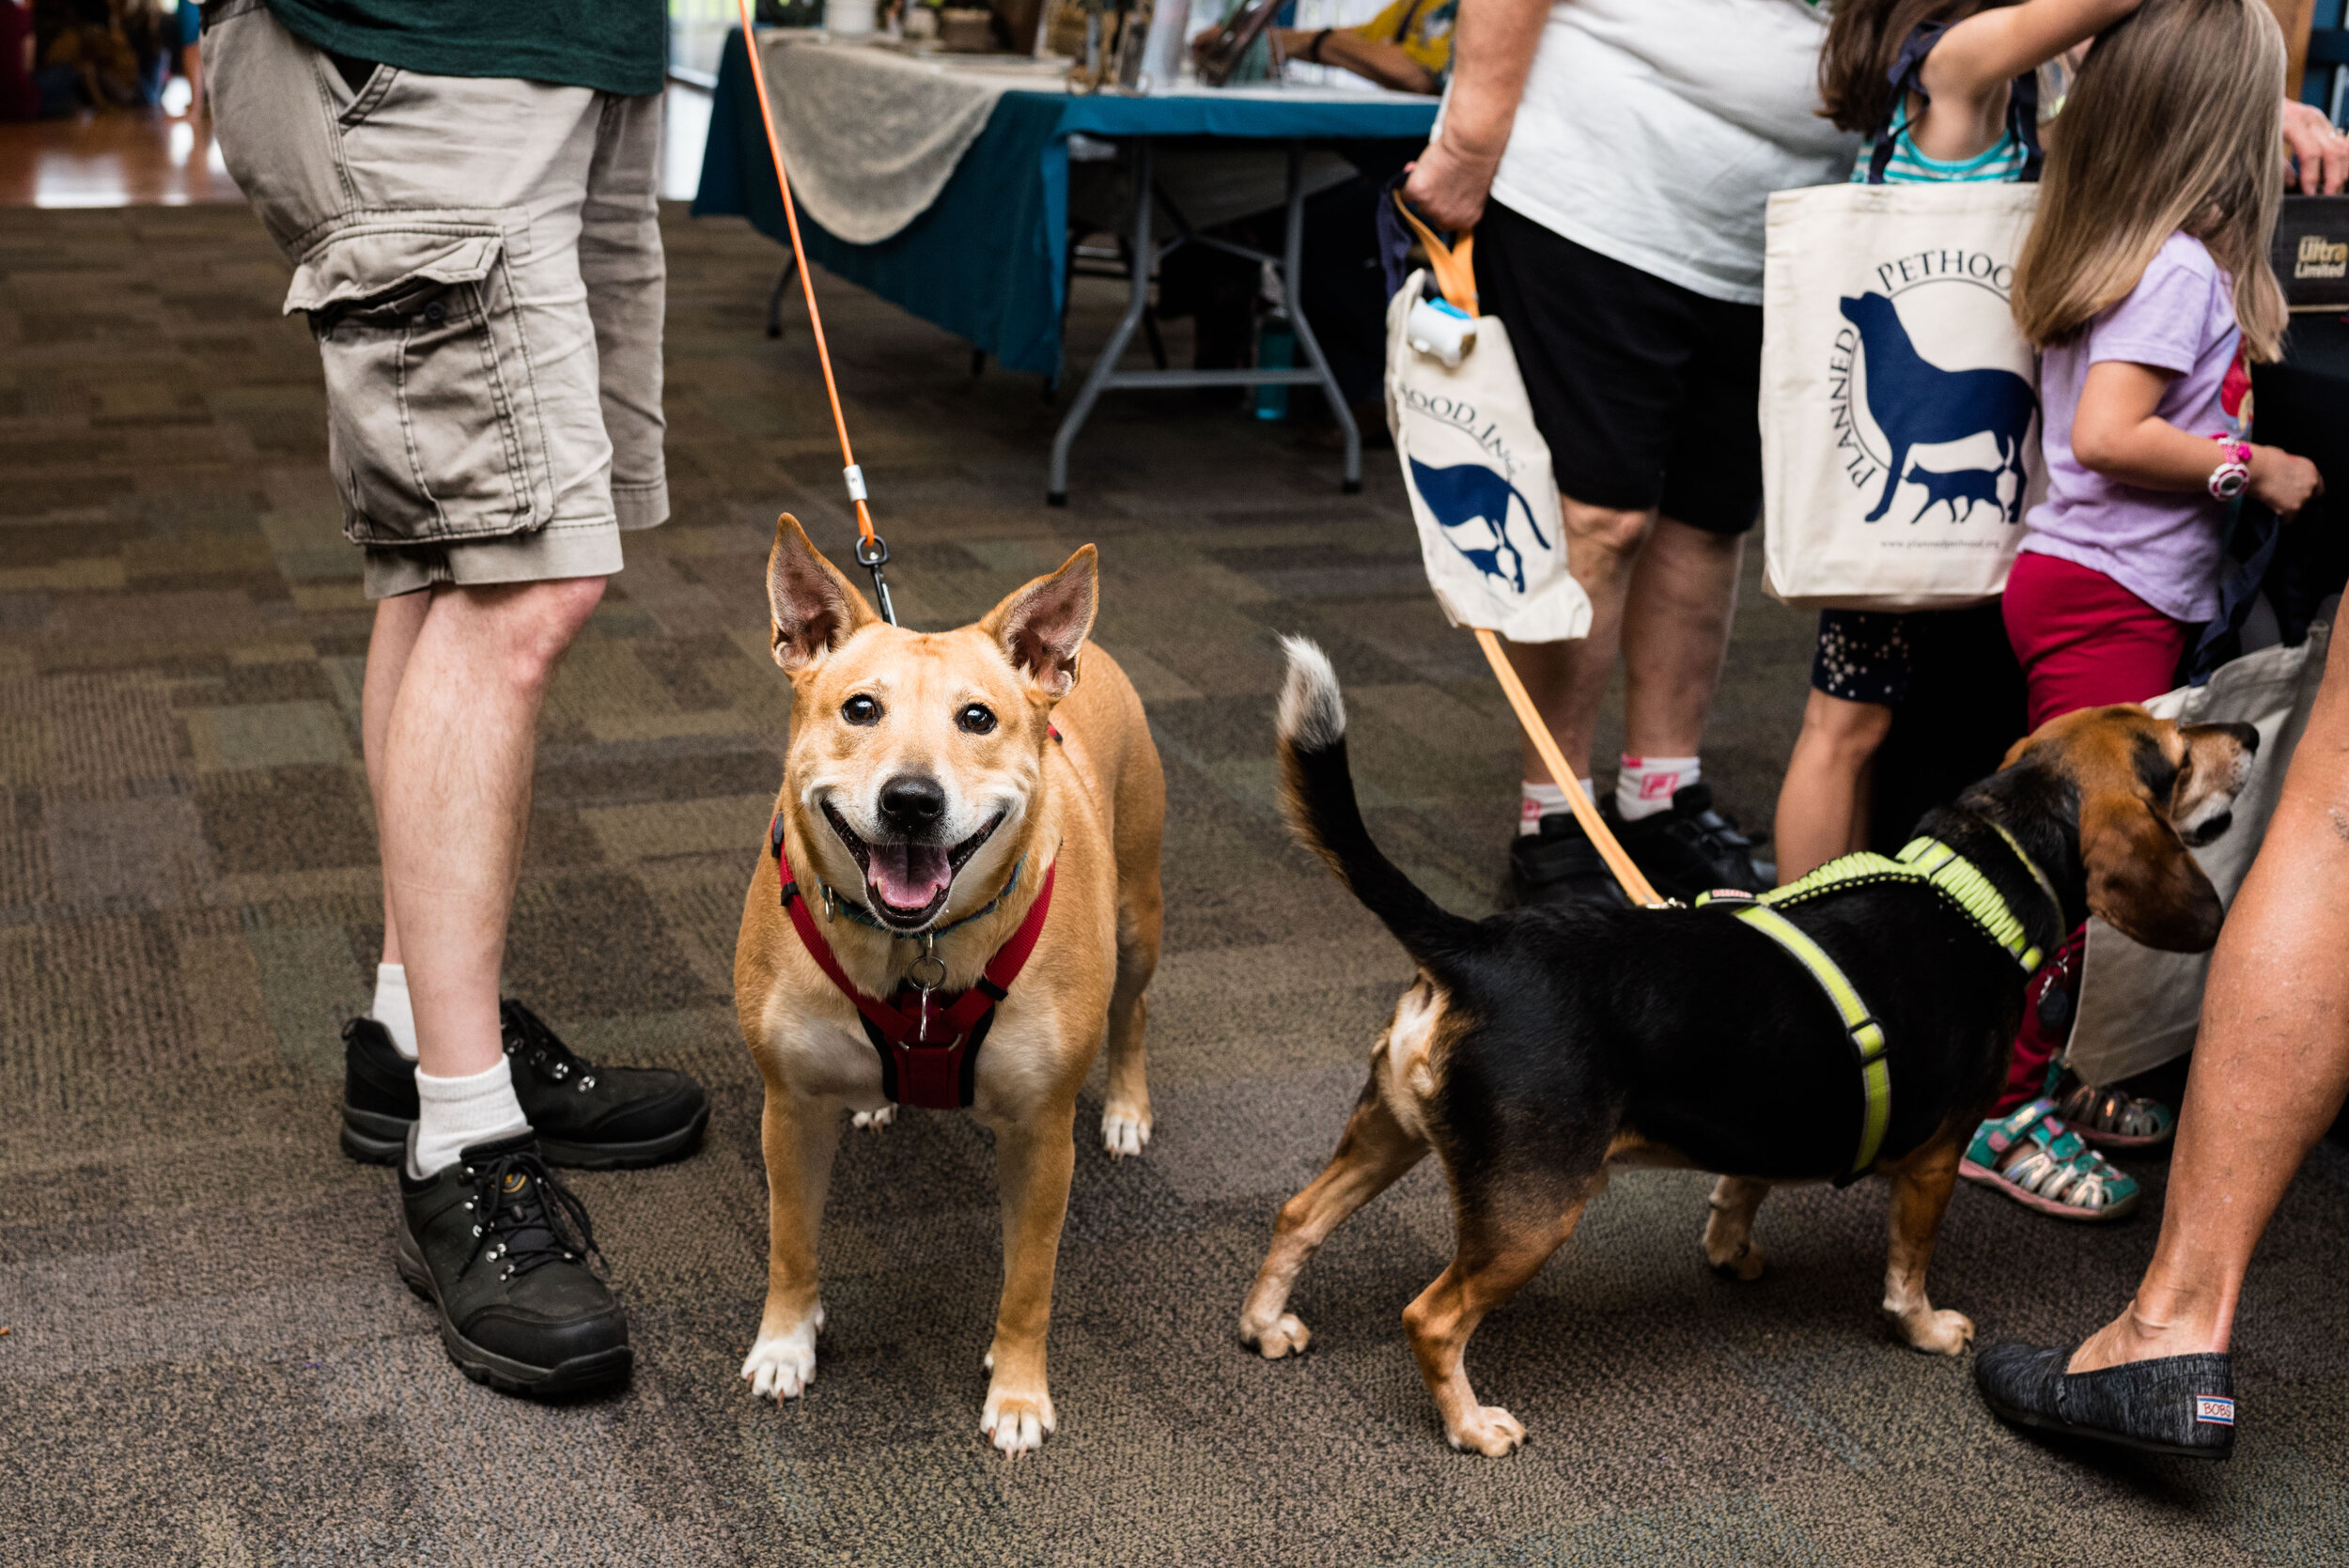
column 1474, row 502
column 1914, row 422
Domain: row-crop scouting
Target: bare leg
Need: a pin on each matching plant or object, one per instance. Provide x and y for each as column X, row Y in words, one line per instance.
column 1034, row 1161
column 1568, row 681
column 1822, row 807
column 455, row 797
column 1495, row 1259
column 2272, row 1065
column 1921, row 1195
column 1729, row 1232
column 1675, row 633
column 1374, row 1152
column 799, row 1136
column 397, row 623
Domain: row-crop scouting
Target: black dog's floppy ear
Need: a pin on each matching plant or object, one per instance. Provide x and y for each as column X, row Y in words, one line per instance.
column 2141, row 880
column 814, row 608
column 1041, row 628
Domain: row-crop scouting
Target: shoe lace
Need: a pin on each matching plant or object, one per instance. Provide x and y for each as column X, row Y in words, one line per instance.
column 527, row 1218
column 526, row 1035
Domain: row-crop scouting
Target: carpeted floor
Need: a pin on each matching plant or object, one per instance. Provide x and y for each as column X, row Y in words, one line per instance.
column 209, row 1361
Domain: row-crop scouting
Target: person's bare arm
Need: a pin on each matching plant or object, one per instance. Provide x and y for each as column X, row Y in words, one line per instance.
column 2117, row 433
column 1385, row 62
column 1968, row 73
column 1493, row 43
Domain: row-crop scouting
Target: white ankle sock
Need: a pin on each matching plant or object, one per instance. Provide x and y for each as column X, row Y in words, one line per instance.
column 454, row 1113
column 1645, row 786
column 1537, row 800
column 391, row 1008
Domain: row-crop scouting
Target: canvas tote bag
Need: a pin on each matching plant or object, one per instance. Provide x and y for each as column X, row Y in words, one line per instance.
column 1476, row 470
column 1900, row 407
column 2138, row 1007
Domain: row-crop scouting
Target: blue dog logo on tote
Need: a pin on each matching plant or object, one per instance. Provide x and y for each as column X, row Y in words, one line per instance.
column 1909, row 415
column 1471, row 500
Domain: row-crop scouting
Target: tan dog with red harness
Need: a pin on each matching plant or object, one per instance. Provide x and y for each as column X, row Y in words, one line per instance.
column 961, row 890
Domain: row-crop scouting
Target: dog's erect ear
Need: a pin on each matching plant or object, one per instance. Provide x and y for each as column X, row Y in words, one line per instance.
column 814, row 608
column 2141, row 880
column 1041, row 628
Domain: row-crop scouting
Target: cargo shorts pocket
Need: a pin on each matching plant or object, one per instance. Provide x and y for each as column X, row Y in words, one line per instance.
column 434, row 426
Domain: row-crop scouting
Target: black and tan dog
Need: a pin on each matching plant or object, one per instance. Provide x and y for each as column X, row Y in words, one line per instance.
column 1540, row 1047
column 960, row 809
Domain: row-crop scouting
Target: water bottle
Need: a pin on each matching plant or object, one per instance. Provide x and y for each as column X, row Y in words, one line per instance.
column 1276, row 349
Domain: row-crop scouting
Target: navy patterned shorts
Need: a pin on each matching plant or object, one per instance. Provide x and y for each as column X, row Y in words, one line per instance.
column 1864, row 656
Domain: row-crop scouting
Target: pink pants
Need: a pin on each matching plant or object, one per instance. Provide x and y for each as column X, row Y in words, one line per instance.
column 2084, row 640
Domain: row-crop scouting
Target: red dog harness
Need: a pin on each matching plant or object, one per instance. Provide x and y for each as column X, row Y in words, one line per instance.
column 928, row 1040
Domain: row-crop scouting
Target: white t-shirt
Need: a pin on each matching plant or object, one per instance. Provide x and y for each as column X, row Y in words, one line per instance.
column 1653, row 131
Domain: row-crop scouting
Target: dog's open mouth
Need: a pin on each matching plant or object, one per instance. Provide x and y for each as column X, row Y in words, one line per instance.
column 909, row 882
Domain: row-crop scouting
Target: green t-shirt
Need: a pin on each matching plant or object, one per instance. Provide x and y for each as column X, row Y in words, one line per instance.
column 615, row 46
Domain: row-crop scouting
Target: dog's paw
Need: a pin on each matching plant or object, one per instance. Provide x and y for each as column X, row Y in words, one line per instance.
column 783, row 1365
column 1938, row 1333
column 876, row 1120
column 1747, row 1264
column 1490, row 1431
column 1286, row 1335
column 1125, row 1131
column 1017, row 1423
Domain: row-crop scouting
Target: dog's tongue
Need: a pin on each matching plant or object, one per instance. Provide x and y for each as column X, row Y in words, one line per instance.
column 908, row 876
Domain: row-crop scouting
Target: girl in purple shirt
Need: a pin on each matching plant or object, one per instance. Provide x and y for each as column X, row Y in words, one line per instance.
column 2146, row 285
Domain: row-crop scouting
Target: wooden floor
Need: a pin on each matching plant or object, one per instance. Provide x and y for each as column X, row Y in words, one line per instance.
column 125, row 159
column 152, row 159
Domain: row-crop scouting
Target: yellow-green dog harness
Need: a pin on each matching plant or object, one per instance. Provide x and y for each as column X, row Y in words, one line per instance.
column 1924, row 860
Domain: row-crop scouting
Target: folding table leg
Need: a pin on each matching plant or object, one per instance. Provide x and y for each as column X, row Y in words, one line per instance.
column 1137, row 302
column 1292, row 274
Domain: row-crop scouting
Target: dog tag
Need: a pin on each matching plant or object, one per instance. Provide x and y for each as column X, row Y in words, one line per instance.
column 2055, row 1009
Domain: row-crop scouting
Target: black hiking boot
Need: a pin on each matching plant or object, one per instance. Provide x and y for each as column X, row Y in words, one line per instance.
column 1559, row 866
column 1691, row 848
column 594, row 1117
column 499, row 1247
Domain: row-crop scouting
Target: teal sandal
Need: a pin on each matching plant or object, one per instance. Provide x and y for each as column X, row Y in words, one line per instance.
column 2116, row 1119
column 2032, row 1158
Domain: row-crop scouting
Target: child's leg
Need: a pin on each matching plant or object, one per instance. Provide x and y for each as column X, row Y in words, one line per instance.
column 1857, row 674
column 1822, row 805
column 2084, row 640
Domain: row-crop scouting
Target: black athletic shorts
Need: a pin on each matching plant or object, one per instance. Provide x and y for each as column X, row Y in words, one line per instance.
column 1646, row 391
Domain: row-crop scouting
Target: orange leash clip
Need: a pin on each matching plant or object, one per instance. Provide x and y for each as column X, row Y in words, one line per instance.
column 871, row 551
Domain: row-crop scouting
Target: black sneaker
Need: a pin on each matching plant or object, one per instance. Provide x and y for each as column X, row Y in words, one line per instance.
column 1560, row 866
column 594, row 1117
column 1690, row 848
column 499, row 1247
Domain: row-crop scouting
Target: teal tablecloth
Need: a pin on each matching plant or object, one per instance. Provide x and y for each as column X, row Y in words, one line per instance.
column 987, row 261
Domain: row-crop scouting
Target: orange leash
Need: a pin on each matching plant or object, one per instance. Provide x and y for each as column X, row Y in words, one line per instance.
column 872, row 551
column 1455, row 276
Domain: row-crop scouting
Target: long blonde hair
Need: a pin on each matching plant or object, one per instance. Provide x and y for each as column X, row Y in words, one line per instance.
column 2175, row 122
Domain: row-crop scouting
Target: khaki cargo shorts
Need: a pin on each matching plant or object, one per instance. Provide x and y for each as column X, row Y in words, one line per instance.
column 480, row 262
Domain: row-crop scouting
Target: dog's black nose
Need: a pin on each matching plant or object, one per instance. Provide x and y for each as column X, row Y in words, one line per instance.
column 911, row 803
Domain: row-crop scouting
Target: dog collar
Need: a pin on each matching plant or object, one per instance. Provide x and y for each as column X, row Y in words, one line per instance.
column 928, row 1040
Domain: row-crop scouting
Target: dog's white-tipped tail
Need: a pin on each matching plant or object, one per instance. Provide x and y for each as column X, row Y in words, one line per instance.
column 1313, row 710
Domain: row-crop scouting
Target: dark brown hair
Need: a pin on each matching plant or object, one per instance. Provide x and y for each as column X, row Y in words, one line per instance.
column 1862, row 41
